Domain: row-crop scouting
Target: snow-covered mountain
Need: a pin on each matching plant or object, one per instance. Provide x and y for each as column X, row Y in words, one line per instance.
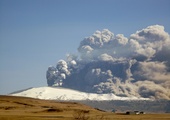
column 58, row 93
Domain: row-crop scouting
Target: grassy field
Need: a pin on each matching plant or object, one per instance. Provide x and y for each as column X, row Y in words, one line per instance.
column 21, row 108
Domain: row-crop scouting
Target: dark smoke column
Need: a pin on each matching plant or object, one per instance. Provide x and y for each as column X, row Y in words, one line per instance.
column 108, row 63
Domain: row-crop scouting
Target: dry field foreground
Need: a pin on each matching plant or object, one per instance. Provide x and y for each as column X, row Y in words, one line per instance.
column 21, row 108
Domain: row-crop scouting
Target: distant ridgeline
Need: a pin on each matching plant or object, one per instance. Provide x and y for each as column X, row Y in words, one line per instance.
column 156, row 106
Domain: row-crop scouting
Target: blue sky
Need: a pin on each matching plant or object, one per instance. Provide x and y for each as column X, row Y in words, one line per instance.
column 37, row 33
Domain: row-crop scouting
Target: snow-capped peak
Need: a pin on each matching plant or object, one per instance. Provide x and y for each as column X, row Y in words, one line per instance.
column 58, row 93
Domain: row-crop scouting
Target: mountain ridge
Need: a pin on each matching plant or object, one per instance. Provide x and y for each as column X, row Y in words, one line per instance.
column 59, row 93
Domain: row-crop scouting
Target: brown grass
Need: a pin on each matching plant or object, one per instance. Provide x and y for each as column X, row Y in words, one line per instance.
column 21, row 108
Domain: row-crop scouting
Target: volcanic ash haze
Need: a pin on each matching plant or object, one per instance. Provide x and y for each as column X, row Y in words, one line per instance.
column 107, row 63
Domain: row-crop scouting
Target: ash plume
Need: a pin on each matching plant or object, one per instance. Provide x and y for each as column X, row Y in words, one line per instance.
column 107, row 63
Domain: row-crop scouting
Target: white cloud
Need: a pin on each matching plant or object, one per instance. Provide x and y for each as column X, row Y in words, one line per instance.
column 105, row 57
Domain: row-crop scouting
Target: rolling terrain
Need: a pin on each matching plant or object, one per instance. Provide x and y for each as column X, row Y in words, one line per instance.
column 24, row 108
column 15, row 108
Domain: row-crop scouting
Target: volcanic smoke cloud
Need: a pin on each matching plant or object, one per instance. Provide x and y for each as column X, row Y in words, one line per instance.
column 107, row 63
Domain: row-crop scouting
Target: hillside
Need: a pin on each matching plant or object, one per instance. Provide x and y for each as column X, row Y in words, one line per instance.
column 21, row 107
column 24, row 108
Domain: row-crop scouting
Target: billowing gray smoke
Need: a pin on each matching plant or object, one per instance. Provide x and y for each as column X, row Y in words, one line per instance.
column 108, row 63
